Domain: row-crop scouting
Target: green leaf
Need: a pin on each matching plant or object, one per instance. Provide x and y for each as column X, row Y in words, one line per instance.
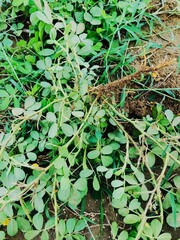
column 47, row 12
column 115, row 145
column 106, row 150
column 81, row 184
column 123, row 97
column 106, row 160
column 23, row 224
column 123, row 235
column 176, row 181
column 3, row 217
column 3, row 191
column 65, row 183
column 150, row 158
column 45, row 235
column 2, row 235
column 131, row 219
column 164, row 236
column 102, row 169
column 41, row 64
column 169, row 114
column 34, row 107
column 67, row 129
column 19, row 174
column 166, row 202
column 59, row 162
column 171, row 222
column 67, row 29
column 96, row 11
column 32, row 156
column 53, row 130
column 46, row 52
column 85, row 51
column 80, row 225
column 93, row 154
column 80, row 28
column 152, row 130
column 30, row 147
column 8, row 210
column 41, row 16
column 95, row 22
column 38, row 221
column 38, row 203
column 109, row 174
column 4, row 104
column 12, row 228
column 70, row 224
column 51, row 117
column 38, row 4
column 117, row 183
column 62, row 227
column 156, row 226
column 30, row 101
column 176, row 121
column 123, row 211
column 17, row 3
column 85, row 173
column 147, row 230
column 134, row 204
column 88, row 17
column 75, row 197
column 69, row 7
column 3, row 93
column 131, row 179
column 35, row 135
column 114, row 229
column 144, row 193
column 31, row 234
column 173, row 206
column 83, row 87
column 10, row 89
column 117, row 193
column 139, row 175
column 101, row 113
column 78, row 114
column 50, row 223
column 96, row 185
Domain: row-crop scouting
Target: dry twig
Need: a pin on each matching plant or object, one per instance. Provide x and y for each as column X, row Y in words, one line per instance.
column 115, row 86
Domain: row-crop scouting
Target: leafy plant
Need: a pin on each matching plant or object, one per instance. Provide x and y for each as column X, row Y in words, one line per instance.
column 59, row 142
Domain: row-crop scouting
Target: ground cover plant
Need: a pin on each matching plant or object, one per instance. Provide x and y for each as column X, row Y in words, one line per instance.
column 79, row 119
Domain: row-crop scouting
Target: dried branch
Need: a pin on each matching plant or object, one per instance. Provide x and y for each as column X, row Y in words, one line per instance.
column 115, row 86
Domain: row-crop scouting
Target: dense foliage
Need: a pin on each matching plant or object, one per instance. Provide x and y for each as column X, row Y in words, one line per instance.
column 59, row 142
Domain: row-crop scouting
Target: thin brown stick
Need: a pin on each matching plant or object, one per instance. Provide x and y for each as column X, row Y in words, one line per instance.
column 118, row 84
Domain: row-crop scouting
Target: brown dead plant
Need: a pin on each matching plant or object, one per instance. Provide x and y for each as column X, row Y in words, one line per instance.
column 116, row 86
